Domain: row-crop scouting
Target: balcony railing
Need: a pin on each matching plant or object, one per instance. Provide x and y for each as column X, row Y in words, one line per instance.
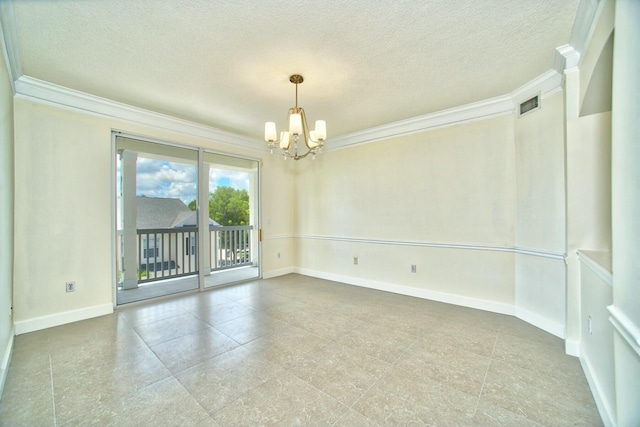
column 230, row 246
column 165, row 253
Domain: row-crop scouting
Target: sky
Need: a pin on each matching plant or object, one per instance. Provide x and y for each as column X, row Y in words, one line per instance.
column 158, row 178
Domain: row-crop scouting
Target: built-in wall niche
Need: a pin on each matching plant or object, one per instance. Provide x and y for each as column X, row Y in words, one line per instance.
column 597, row 98
column 595, row 123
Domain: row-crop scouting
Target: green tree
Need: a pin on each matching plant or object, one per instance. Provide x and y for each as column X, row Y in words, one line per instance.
column 228, row 206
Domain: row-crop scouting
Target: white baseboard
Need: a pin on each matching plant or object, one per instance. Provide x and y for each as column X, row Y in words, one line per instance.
column 57, row 319
column 493, row 306
column 601, row 402
column 543, row 323
column 572, row 348
column 6, row 360
column 276, row 273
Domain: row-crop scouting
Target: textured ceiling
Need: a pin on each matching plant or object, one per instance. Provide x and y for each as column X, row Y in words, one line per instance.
column 227, row 63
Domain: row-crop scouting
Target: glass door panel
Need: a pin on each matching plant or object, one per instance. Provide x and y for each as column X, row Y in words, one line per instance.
column 233, row 219
column 157, row 222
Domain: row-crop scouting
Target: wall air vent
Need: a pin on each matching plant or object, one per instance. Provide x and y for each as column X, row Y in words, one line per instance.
column 529, row 105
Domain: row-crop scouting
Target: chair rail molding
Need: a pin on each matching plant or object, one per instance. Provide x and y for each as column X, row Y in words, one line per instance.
column 560, row 256
column 627, row 329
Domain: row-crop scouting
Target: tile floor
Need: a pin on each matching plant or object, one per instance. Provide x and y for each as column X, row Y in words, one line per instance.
column 295, row 350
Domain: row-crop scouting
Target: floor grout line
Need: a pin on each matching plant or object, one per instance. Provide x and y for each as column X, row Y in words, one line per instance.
column 53, row 394
column 486, row 373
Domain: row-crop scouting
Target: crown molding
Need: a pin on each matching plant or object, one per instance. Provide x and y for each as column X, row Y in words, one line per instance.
column 33, row 88
column 544, row 84
column 584, row 24
column 567, row 58
column 40, row 90
column 494, row 107
column 9, row 40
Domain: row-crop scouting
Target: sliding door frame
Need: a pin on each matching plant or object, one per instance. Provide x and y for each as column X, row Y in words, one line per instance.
column 203, row 190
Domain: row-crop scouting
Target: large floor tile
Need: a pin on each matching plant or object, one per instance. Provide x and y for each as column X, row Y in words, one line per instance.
column 341, row 372
column 470, row 337
column 102, row 380
column 377, row 341
column 28, row 398
column 167, row 329
column 326, row 324
column 188, row 350
column 251, row 326
column 539, row 396
column 352, row 418
column 151, row 311
column 537, row 355
column 286, row 348
column 219, row 381
column 283, row 401
column 412, row 321
column 224, row 312
column 399, row 398
column 164, row 403
column 457, row 367
column 488, row 415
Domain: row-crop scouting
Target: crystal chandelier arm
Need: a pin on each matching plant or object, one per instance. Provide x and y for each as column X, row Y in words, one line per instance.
column 305, row 130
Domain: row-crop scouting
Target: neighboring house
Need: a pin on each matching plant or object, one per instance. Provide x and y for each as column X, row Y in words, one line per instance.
column 170, row 250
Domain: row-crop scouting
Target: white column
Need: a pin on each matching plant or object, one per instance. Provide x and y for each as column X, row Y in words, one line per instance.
column 571, row 109
column 625, row 123
column 129, row 220
column 204, row 245
column 254, row 192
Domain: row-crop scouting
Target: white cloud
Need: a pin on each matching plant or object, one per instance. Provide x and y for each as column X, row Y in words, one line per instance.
column 156, row 178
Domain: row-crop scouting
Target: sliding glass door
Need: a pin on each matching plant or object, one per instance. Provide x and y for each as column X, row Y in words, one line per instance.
column 186, row 219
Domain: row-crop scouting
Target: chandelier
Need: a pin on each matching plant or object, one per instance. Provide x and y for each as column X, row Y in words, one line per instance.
column 298, row 130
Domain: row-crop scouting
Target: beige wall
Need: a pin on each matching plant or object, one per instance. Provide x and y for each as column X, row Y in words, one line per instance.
column 415, row 200
column 64, row 222
column 540, row 214
column 278, row 193
column 6, row 215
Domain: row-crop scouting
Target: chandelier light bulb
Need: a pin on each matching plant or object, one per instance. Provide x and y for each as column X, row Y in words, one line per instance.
column 321, row 130
column 295, row 124
column 270, row 133
column 285, row 142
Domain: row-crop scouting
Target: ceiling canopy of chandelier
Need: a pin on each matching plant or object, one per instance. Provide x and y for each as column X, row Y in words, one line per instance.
column 298, row 130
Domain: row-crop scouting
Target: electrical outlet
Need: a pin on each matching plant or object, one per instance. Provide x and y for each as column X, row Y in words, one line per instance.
column 278, row 255
column 413, row 268
column 70, row 286
column 355, row 260
column 590, row 325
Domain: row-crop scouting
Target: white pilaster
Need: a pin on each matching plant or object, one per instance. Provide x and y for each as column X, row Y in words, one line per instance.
column 571, row 109
column 625, row 312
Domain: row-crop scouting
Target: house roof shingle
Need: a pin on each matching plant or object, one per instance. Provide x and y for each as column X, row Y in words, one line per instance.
column 162, row 212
